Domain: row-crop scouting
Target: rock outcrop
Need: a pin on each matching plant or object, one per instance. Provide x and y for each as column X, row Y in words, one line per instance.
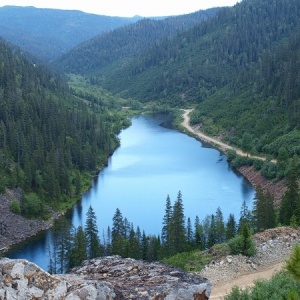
column 104, row 279
column 272, row 246
column 276, row 189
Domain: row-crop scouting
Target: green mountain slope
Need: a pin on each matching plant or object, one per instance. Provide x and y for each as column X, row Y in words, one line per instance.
column 263, row 104
column 196, row 63
column 48, row 33
column 113, row 50
column 241, row 67
column 48, row 137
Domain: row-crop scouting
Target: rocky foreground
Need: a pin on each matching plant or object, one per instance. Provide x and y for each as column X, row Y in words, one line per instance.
column 109, row 278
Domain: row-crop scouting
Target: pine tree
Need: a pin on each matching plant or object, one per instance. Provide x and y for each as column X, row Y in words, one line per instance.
column 212, row 233
column 144, row 246
column 62, row 233
column 291, row 199
column 177, row 236
column 200, row 240
column 245, row 216
column 91, row 233
column 165, row 234
column 78, row 252
column 230, row 227
column 118, row 243
column 220, row 227
column 189, row 233
column 263, row 210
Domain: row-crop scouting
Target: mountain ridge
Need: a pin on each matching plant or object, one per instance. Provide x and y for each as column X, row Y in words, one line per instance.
column 47, row 33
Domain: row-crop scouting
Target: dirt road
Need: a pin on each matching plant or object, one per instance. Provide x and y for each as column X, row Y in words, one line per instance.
column 222, row 146
column 245, row 280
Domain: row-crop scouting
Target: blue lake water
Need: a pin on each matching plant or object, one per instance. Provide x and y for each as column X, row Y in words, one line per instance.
column 152, row 162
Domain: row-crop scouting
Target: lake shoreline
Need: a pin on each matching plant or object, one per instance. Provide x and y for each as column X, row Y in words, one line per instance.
column 277, row 189
column 31, row 228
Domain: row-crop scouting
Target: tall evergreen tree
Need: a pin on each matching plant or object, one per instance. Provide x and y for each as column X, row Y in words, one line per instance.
column 62, row 233
column 165, row 234
column 78, row 251
column 212, row 232
column 245, row 216
column 230, row 227
column 200, row 239
column 118, row 242
column 189, row 233
column 291, row 198
column 220, row 227
column 91, row 233
column 178, row 240
column 263, row 210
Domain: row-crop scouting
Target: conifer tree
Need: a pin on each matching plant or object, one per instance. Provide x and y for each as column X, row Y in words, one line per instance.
column 200, row 240
column 91, row 232
column 230, row 227
column 245, row 216
column 118, row 242
column 263, row 210
column 189, row 233
column 220, row 227
column 165, row 234
column 78, row 252
column 291, row 199
column 178, row 240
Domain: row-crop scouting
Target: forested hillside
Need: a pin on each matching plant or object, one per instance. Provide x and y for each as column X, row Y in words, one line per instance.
column 194, row 64
column 48, row 137
column 112, row 50
column 48, row 33
column 241, row 67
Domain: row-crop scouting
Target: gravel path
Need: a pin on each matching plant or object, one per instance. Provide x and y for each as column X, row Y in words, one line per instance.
column 273, row 248
column 214, row 141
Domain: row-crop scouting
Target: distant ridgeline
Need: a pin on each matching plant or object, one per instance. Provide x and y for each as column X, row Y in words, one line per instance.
column 48, row 33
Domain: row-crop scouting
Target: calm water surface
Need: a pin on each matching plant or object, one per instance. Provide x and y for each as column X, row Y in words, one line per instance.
column 153, row 162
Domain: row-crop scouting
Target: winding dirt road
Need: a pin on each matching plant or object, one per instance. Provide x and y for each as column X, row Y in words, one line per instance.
column 219, row 291
column 215, row 142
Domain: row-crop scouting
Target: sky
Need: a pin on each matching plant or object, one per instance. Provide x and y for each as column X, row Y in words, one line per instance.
column 126, row 8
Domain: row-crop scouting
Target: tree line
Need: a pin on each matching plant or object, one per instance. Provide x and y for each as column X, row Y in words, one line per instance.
column 71, row 246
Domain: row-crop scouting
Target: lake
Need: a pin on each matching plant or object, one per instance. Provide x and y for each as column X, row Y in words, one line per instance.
column 152, row 162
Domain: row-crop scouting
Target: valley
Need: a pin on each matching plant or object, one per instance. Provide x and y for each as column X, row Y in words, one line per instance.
column 101, row 116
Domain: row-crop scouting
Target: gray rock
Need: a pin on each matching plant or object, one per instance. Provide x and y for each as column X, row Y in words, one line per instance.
column 127, row 279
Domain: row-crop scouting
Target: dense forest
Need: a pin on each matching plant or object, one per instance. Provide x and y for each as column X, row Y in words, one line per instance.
column 196, row 62
column 240, row 68
column 48, row 136
column 116, row 48
column 237, row 67
column 48, row 33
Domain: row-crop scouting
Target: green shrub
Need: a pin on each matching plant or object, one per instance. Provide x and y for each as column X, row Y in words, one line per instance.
column 280, row 287
column 15, row 207
column 33, row 207
column 241, row 245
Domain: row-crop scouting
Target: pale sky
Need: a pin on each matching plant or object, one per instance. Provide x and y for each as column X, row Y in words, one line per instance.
column 125, row 8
